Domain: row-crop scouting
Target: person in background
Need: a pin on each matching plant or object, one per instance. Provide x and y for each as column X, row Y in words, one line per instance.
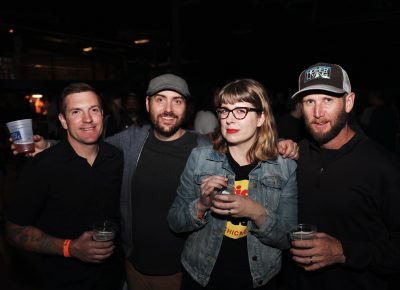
column 65, row 189
column 235, row 240
column 205, row 122
column 291, row 124
column 131, row 114
column 349, row 187
column 380, row 120
column 112, row 114
column 154, row 158
column 121, row 113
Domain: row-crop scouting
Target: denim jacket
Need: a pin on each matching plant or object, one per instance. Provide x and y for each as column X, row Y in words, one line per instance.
column 271, row 183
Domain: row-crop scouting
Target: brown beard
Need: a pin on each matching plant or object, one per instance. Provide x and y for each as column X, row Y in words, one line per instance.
column 160, row 130
column 338, row 125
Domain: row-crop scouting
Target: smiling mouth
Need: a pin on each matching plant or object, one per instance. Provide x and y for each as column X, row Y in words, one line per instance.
column 88, row 129
column 167, row 120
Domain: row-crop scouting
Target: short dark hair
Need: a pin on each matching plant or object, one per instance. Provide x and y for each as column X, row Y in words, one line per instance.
column 73, row 89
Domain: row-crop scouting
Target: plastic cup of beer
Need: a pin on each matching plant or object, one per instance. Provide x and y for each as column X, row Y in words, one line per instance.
column 104, row 231
column 22, row 135
column 230, row 189
column 303, row 232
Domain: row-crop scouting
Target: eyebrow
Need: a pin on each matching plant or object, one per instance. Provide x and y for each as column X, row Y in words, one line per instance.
column 174, row 97
column 91, row 107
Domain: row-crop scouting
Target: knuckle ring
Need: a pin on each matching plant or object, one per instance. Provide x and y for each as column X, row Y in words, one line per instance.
column 311, row 261
column 229, row 212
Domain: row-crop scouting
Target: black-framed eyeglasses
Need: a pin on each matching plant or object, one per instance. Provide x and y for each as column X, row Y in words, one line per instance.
column 239, row 113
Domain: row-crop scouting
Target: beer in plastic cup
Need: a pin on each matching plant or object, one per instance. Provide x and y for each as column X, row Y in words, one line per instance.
column 303, row 232
column 22, row 135
column 104, row 231
column 230, row 189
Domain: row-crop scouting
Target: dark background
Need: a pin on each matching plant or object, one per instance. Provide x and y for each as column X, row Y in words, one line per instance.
column 207, row 42
column 210, row 42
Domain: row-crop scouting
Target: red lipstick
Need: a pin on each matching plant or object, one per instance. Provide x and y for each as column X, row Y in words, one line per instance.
column 232, row 131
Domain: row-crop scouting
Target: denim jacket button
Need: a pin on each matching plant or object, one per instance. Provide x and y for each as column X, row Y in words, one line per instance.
column 254, row 185
column 259, row 282
column 254, row 258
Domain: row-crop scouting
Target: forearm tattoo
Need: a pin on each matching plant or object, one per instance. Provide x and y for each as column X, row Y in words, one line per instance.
column 31, row 239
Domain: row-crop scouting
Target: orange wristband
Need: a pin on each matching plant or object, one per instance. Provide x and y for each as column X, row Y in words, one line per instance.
column 66, row 248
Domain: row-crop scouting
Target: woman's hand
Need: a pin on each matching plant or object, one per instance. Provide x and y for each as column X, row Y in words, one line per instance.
column 238, row 206
column 209, row 186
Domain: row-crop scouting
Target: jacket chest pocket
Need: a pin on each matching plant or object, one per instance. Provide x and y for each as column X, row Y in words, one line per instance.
column 198, row 178
column 271, row 191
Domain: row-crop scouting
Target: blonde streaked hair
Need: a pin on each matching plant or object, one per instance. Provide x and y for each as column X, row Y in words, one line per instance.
column 250, row 91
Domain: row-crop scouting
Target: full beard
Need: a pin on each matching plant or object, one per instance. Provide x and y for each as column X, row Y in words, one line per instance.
column 338, row 125
column 166, row 131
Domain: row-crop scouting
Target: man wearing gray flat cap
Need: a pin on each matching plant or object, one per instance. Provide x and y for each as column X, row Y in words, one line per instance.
column 154, row 158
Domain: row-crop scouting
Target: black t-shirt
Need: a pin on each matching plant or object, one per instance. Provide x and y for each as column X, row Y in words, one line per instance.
column 156, row 249
column 62, row 195
column 233, row 259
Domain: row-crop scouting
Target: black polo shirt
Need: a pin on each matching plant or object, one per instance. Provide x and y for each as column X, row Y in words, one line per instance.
column 61, row 194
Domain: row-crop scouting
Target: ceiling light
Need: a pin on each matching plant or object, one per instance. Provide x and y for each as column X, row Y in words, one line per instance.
column 88, row 49
column 142, row 41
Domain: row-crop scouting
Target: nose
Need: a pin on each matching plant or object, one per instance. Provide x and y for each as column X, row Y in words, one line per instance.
column 87, row 117
column 230, row 118
column 168, row 106
column 318, row 110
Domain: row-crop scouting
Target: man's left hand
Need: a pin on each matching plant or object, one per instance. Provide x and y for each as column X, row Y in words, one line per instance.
column 322, row 251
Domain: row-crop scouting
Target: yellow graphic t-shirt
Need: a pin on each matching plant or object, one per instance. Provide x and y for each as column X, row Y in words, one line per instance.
column 236, row 228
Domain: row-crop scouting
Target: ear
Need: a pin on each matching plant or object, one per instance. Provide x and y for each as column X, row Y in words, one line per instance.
column 349, row 102
column 261, row 119
column 147, row 103
column 63, row 121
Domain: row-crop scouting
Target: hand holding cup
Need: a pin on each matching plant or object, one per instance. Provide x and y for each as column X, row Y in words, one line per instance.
column 302, row 236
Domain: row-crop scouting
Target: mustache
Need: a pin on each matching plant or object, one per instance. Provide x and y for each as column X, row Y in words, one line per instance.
column 168, row 114
column 317, row 121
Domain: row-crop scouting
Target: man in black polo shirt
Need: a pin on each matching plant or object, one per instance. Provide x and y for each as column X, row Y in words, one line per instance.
column 349, row 187
column 62, row 192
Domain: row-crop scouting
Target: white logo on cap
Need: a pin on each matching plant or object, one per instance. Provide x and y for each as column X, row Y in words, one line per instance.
column 318, row 72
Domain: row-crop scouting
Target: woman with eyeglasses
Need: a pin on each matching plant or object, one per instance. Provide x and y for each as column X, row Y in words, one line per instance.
column 235, row 237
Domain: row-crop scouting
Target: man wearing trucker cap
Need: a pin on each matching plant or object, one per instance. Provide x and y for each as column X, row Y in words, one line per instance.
column 349, row 187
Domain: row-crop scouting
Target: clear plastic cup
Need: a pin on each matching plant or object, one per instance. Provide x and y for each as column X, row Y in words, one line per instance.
column 230, row 189
column 22, row 135
column 303, row 232
column 104, row 231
